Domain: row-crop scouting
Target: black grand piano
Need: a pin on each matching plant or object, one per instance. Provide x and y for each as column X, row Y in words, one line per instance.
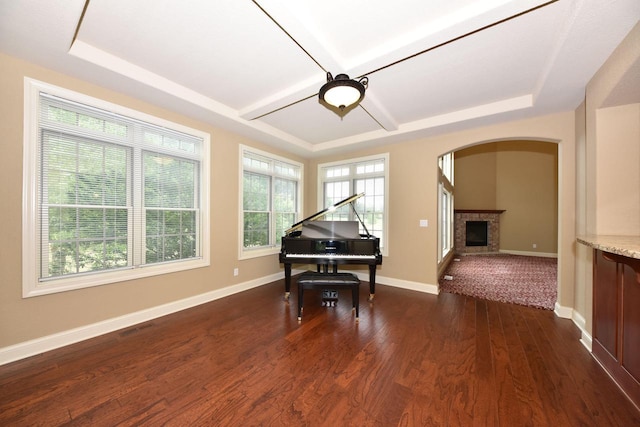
column 330, row 243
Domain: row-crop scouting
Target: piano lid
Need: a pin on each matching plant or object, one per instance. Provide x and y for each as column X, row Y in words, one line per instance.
column 315, row 216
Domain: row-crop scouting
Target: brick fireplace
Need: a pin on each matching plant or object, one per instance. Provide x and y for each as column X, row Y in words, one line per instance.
column 467, row 238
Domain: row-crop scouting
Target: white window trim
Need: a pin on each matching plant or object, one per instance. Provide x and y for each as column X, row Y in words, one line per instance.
column 31, row 284
column 385, row 156
column 275, row 249
column 445, row 183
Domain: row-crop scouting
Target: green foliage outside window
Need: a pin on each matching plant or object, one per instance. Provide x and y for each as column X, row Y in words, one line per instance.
column 86, row 214
column 87, row 194
column 255, row 200
column 169, row 200
column 269, row 200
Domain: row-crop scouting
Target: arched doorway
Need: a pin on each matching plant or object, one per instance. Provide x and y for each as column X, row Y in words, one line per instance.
column 509, row 190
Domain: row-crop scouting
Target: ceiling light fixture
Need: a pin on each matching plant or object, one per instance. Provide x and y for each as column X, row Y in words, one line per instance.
column 343, row 92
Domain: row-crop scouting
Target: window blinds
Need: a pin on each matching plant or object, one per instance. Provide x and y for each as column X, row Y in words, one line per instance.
column 114, row 192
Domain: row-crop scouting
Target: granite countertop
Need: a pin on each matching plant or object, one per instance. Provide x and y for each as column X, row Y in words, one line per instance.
column 628, row 246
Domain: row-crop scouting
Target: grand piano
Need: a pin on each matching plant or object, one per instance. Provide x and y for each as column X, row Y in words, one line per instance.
column 330, row 243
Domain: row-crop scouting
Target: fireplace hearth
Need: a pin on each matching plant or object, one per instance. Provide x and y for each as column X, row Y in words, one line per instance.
column 477, row 231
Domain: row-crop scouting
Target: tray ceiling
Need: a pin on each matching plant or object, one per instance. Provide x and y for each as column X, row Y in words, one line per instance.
column 255, row 67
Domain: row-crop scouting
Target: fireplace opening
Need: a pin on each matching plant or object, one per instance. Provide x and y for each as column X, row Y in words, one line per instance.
column 476, row 234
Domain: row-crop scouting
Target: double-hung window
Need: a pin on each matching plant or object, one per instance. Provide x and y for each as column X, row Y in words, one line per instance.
column 271, row 200
column 445, row 203
column 111, row 194
column 368, row 175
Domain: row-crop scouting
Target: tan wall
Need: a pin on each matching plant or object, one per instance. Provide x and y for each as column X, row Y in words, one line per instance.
column 583, row 298
column 475, row 177
column 30, row 318
column 519, row 177
column 618, row 170
column 608, row 155
column 527, row 190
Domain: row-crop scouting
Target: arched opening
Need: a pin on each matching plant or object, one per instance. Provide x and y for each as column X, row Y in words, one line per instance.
column 503, row 232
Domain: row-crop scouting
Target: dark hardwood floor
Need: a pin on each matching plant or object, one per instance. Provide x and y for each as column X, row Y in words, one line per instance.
column 414, row 359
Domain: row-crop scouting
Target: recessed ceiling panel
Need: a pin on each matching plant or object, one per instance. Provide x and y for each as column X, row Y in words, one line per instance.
column 229, row 51
column 40, row 29
column 350, row 28
column 500, row 62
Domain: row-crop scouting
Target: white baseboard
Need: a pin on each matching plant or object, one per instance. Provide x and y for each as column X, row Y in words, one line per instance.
column 404, row 284
column 72, row 336
column 578, row 320
column 585, row 338
column 526, row 253
column 563, row 312
column 586, row 341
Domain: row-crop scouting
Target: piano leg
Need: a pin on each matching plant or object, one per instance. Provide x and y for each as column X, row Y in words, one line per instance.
column 287, row 281
column 372, row 281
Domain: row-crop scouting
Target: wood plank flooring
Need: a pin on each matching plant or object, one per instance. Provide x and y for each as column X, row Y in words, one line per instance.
column 414, row 359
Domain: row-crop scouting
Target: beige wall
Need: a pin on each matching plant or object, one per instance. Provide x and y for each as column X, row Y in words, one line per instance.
column 27, row 319
column 608, row 155
column 412, row 260
column 519, row 177
column 475, row 177
column 617, row 137
column 583, row 298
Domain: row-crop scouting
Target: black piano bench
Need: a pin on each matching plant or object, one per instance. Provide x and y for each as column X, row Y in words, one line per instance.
column 311, row 280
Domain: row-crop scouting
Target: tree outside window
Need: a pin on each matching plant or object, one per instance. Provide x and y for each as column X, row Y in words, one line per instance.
column 109, row 193
column 270, row 199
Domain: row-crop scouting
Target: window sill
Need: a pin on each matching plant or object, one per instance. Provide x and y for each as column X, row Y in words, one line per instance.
column 33, row 288
column 256, row 253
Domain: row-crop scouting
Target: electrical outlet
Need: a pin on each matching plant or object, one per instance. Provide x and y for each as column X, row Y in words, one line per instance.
column 235, row 271
column 535, row 246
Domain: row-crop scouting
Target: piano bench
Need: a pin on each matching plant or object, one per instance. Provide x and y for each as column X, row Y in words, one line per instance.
column 311, row 280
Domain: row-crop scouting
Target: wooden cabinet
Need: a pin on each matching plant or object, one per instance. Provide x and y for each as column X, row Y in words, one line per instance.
column 616, row 319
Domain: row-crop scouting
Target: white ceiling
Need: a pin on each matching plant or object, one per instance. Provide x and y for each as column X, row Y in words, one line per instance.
column 255, row 67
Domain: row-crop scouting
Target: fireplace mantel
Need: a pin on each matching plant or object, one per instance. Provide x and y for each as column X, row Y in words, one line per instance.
column 489, row 211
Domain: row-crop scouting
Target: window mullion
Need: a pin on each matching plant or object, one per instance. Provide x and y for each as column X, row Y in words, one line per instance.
column 352, row 190
column 197, row 208
column 136, row 211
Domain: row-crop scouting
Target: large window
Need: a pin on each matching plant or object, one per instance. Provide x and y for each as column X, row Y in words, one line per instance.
column 445, row 202
column 111, row 194
column 271, row 200
column 368, row 175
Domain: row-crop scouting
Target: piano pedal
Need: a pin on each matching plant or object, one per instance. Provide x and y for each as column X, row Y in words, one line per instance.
column 329, row 297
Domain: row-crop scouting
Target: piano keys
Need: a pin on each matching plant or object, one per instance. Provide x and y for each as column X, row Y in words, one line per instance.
column 330, row 243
